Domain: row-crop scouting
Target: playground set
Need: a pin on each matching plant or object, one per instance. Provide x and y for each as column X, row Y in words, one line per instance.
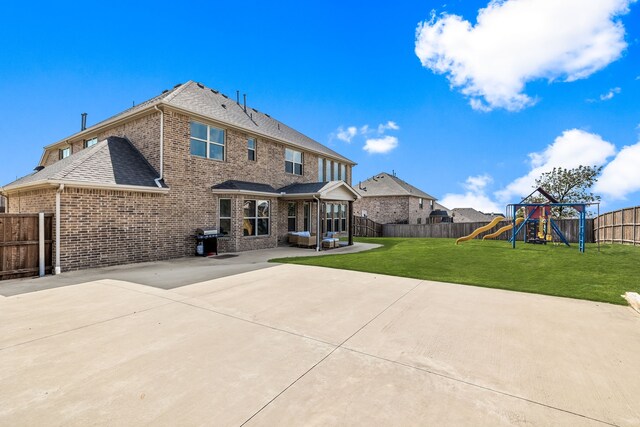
column 537, row 222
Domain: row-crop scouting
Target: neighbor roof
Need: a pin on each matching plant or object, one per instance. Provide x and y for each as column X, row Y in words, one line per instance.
column 384, row 184
column 111, row 162
column 470, row 215
column 204, row 101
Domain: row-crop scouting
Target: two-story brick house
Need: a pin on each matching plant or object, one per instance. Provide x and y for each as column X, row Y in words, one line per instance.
column 136, row 186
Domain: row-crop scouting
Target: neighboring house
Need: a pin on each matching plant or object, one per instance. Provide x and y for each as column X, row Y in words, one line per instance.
column 471, row 215
column 2, row 204
column 138, row 185
column 386, row 199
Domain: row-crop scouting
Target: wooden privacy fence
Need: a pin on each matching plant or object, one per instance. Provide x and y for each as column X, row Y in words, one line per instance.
column 19, row 245
column 621, row 226
column 364, row 227
column 454, row 230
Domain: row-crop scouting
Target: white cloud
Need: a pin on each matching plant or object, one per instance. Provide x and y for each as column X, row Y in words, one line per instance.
column 571, row 149
column 380, row 145
column 347, row 134
column 474, row 196
column 612, row 92
column 518, row 41
column 389, row 126
column 622, row 175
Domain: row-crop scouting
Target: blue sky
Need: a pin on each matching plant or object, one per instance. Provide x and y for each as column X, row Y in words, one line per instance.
column 469, row 108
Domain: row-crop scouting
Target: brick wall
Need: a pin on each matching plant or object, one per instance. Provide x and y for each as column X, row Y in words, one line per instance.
column 383, row 209
column 106, row 227
column 416, row 213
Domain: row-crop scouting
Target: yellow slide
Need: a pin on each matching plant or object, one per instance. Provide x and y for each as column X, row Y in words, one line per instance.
column 482, row 229
column 503, row 229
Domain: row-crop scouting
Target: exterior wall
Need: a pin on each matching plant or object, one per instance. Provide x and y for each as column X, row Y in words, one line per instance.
column 416, row 213
column 107, row 227
column 384, row 209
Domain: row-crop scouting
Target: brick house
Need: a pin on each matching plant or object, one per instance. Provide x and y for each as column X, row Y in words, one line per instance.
column 386, row 199
column 136, row 186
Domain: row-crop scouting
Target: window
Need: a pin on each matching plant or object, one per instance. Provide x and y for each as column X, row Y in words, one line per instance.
column 89, row 142
column 293, row 161
column 320, row 170
column 419, row 221
column 307, row 215
column 256, row 218
column 431, row 204
column 336, row 169
column 328, row 209
column 291, row 216
column 343, row 217
column 421, row 203
column 327, row 170
column 343, row 172
column 225, row 216
column 251, row 149
column 335, row 217
column 64, row 153
column 207, row 141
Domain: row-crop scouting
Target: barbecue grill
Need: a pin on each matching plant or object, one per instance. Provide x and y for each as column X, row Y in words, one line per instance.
column 207, row 241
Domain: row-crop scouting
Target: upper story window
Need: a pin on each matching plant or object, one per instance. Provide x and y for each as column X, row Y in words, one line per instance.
column 331, row 170
column 320, row 169
column 89, row 142
column 64, row 153
column 207, row 141
column 292, row 161
column 251, row 149
column 421, row 202
column 343, row 172
column 327, row 170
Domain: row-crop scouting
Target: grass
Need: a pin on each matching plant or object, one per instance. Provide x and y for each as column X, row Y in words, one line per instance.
column 541, row 269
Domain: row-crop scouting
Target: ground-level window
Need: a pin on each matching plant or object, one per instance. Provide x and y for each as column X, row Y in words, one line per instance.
column 291, row 216
column 64, row 153
column 207, row 141
column 256, row 218
column 89, row 142
column 419, row 221
column 292, row 161
column 307, row 216
column 225, row 216
column 251, row 149
column 335, row 217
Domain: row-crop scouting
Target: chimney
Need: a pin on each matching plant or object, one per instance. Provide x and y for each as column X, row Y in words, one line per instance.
column 238, row 97
column 83, row 124
column 245, row 102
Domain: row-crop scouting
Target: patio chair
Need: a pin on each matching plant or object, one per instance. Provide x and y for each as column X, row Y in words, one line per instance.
column 306, row 240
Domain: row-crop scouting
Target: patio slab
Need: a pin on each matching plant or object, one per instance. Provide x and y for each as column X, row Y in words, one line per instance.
column 322, row 303
column 351, row 389
column 172, row 365
column 572, row 354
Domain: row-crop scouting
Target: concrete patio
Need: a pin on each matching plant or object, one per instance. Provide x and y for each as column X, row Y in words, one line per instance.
column 297, row 345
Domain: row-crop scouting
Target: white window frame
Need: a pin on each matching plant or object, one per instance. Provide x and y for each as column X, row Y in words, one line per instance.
column 293, row 161
column 254, row 149
column 256, row 218
column 90, row 142
column 208, row 142
column 63, row 153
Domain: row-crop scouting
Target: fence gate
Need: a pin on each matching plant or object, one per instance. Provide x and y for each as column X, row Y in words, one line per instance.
column 19, row 245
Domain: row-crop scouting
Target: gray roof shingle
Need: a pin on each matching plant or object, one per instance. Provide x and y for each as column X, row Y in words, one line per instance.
column 303, row 188
column 199, row 99
column 384, row 184
column 245, row 186
column 113, row 161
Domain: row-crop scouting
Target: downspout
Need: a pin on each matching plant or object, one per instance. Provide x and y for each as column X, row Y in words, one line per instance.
column 158, row 179
column 57, row 269
column 317, row 224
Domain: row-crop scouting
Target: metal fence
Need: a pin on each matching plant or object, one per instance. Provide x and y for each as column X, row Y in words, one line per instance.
column 619, row 226
column 569, row 227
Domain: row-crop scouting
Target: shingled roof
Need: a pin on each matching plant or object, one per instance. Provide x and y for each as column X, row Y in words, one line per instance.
column 207, row 102
column 111, row 162
column 384, row 184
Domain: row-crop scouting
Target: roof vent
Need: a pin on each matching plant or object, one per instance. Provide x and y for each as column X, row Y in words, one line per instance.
column 214, row 91
column 38, row 168
column 224, row 106
column 267, row 115
column 165, row 91
column 254, row 110
column 83, row 122
column 200, row 85
column 178, row 85
column 224, row 95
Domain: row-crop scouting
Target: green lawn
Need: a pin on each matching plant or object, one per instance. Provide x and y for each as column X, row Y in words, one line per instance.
column 542, row 269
